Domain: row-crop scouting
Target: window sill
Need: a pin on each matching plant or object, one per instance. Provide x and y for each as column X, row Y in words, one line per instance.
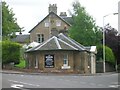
column 36, row 67
column 65, row 67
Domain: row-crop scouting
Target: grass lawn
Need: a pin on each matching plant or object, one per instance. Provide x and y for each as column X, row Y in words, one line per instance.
column 21, row 64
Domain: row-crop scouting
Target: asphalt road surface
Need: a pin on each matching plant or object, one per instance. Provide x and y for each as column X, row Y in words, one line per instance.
column 24, row 81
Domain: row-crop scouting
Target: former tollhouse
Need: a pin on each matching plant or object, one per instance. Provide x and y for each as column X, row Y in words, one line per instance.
column 56, row 52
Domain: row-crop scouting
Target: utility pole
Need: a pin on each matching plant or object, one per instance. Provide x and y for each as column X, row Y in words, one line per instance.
column 104, row 69
column 0, row 20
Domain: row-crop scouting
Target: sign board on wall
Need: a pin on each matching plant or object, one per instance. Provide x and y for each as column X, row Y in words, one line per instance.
column 49, row 61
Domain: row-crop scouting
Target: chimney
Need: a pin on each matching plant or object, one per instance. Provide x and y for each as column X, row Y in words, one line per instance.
column 54, row 32
column 63, row 14
column 52, row 8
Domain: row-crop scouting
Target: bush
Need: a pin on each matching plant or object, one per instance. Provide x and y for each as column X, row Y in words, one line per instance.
column 21, row 64
column 109, row 56
column 10, row 52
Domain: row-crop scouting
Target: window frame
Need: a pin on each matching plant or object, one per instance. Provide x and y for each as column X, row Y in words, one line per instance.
column 36, row 62
column 65, row 60
column 40, row 38
column 46, row 23
column 58, row 23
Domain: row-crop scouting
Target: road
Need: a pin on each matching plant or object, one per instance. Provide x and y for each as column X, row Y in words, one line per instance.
column 23, row 81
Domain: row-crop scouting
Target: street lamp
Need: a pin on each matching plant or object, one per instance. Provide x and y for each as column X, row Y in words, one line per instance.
column 0, row 20
column 104, row 40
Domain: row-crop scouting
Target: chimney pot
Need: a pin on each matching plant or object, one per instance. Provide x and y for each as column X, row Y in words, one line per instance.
column 52, row 8
column 63, row 14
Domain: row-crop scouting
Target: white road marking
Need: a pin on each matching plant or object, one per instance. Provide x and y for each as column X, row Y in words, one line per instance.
column 24, row 83
column 16, row 86
column 22, row 75
column 114, row 86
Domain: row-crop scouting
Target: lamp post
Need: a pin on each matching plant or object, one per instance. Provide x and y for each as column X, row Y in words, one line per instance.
column 0, row 20
column 104, row 70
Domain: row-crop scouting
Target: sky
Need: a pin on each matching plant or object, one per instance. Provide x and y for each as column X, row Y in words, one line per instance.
column 31, row 12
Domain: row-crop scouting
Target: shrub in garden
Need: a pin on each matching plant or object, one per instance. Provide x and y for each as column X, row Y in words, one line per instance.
column 10, row 52
column 109, row 56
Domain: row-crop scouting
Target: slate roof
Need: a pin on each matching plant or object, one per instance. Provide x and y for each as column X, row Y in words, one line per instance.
column 32, row 44
column 47, row 16
column 61, row 42
column 71, row 42
column 21, row 38
column 68, row 19
column 53, row 43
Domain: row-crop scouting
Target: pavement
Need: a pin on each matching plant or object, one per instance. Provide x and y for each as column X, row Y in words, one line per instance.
column 35, row 73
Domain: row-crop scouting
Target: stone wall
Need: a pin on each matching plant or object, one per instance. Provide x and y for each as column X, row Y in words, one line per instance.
column 108, row 67
column 78, row 61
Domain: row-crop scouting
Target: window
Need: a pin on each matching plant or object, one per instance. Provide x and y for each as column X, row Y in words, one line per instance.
column 46, row 23
column 40, row 38
column 36, row 62
column 58, row 23
column 65, row 60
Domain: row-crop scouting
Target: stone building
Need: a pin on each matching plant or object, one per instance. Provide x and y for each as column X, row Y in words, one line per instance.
column 62, row 54
column 57, row 52
column 50, row 26
column 22, row 39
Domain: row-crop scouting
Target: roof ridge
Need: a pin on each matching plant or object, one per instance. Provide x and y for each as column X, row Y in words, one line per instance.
column 67, row 44
column 69, row 39
column 57, row 43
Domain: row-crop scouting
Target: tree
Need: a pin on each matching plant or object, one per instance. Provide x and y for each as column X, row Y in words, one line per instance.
column 10, row 52
column 9, row 22
column 84, row 29
column 108, row 53
column 111, row 39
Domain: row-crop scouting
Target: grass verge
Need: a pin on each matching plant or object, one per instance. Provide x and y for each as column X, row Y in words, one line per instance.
column 21, row 64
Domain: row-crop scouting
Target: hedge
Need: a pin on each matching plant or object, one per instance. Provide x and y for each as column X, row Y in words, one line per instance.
column 109, row 56
column 10, row 52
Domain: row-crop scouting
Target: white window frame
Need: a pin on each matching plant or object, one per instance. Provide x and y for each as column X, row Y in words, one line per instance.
column 40, row 38
column 65, row 62
column 46, row 23
column 36, row 62
column 58, row 22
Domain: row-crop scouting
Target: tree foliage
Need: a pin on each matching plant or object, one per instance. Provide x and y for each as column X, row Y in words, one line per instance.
column 84, row 29
column 9, row 22
column 10, row 52
column 109, row 56
column 111, row 39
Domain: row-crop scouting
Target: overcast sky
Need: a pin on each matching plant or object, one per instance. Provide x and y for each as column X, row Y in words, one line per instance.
column 30, row 12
